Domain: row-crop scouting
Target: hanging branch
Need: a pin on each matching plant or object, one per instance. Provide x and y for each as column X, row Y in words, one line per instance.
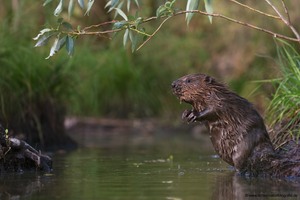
column 65, row 34
column 274, row 34
column 286, row 21
column 254, row 10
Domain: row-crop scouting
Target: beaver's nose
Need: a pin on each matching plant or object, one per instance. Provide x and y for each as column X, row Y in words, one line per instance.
column 174, row 84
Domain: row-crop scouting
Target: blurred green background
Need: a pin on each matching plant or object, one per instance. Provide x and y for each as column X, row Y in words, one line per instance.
column 103, row 79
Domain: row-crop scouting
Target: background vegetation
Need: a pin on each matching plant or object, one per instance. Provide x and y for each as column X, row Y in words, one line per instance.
column 283, row 111
column 105, row 80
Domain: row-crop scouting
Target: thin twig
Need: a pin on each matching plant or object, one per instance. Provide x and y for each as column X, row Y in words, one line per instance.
column 150, row 37
column 224, row 17
column 149, row 19
column 287, row 22
column 98, row 25
column 286, row 11
column 296, row 33
column 253, row 9
column 278, row 13
column 241, row 23
column 140, row 32
column 276, row 35
column 91, row 33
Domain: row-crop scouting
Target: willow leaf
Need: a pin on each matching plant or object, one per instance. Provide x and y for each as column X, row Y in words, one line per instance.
column 125, row 38
column 81, row 3
column 191, row 5
column 209, row 8
column 89, row 6
column 59, row 8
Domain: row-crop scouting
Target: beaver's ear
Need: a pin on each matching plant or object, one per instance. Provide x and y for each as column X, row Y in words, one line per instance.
column 209, row 79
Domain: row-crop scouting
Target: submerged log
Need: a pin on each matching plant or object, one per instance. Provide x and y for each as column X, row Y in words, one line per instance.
column 18, row 156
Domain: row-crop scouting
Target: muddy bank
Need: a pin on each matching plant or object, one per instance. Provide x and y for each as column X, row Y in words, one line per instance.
column 103, row 132
column 17, row 156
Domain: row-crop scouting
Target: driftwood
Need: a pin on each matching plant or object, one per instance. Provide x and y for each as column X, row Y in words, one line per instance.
column 17, row 156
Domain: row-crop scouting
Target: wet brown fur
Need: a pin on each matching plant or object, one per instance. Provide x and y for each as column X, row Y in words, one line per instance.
column 237, row 130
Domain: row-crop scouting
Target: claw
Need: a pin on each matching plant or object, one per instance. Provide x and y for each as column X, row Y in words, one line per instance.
column 191, row 117
column 185, row 114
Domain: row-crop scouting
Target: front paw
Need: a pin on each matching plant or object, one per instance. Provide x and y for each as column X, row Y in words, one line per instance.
column 189, row 116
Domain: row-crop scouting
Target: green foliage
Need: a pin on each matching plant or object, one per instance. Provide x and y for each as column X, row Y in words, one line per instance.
column 71, row 4
column 130, row 24
column 166, row 9
column 61, row 38
column 117, row 5
column 193, row 5
column 99, row 70
column 114, row 84
column 285, row 103
column 34, row 91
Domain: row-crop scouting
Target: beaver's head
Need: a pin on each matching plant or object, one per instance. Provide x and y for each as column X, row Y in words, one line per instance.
column 194, row 89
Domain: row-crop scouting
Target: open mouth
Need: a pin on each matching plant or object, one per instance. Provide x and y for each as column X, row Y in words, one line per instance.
column 178, row 93
column 182, row 99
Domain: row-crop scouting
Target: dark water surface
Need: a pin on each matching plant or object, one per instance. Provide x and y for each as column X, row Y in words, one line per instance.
column 172, row 170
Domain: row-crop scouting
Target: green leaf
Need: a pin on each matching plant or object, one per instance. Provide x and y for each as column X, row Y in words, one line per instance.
column 168, row 4
column 53, row 48
column 125, row 38
column 128, row 5
column 67, row 25
column 114, row 3
column 89, row 6
column 42, row 32
column 130, row 18
column 137, row 3
column 60, row 20
column 161, row 10
column 47, row 2
column 57, row 45
column 70, row 45
column 120, row 12
column 44, row 39
column 191, row 5
column 134, row 42
column 107, row 4
column 172, row 3
column 166, row 9
column 131, row 36
column 59, row 8
column 138, row 21
column 135, row 39
column 70, row 7
column 81, row 3
column 119, row 25
column 60, row 43
column 209, row 8
column 145, row 38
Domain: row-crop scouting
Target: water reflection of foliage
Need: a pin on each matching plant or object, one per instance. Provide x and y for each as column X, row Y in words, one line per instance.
column 22, row 186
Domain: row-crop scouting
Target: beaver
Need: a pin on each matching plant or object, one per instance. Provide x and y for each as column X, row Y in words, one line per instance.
column 237, row 131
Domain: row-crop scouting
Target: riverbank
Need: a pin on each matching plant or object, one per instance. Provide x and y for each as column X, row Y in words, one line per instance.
column 105, row 132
